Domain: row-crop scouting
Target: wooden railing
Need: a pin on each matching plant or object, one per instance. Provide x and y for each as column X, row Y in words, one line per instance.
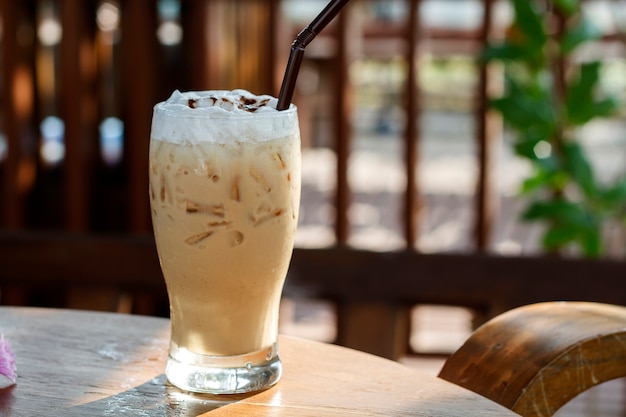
column 94, row 72
column 110, row 69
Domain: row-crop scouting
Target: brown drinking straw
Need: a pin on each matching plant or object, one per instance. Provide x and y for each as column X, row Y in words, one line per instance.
column 297, row 50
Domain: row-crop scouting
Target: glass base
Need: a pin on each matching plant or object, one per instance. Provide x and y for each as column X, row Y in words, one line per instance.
column 223, row 374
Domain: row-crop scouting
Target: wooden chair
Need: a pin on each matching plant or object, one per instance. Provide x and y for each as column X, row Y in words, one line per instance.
column 536, row 358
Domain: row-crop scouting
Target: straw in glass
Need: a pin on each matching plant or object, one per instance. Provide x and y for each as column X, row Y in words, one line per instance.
column 297, row 50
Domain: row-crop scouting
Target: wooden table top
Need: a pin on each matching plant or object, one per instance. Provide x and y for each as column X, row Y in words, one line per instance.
column 77, row 363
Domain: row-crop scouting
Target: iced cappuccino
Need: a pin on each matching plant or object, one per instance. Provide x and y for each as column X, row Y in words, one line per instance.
column 225, row 192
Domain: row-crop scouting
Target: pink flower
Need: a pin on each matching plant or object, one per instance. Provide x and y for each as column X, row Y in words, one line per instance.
column 7, row 363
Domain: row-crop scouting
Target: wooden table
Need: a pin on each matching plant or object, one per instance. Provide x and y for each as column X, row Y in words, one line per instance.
column 76, row 363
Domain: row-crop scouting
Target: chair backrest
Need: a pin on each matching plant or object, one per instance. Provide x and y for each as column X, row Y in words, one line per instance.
column 536, row 358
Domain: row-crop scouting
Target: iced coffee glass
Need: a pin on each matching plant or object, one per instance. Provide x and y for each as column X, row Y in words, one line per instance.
column 225, row 193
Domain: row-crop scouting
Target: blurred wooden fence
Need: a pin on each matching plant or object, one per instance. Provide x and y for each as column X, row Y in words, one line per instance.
column 95, row 71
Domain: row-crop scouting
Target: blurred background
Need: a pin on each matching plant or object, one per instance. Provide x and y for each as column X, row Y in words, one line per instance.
column 400, row 149
column 79, row 79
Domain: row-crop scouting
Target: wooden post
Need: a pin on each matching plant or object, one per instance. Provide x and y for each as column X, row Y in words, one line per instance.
column 196, row 43
column 78, row 111
column 16, row 102
column 378, row 328
column 139, row 73
column 485, row 137
column 277, row 48
column 412, row 134
column 342, row 123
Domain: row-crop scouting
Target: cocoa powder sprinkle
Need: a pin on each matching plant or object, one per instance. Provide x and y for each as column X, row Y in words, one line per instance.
column 249, row 104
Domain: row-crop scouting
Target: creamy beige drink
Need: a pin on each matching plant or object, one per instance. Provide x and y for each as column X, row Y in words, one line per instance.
column 225, row 192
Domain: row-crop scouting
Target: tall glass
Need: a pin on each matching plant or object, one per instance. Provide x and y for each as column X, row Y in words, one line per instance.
column 225, row 194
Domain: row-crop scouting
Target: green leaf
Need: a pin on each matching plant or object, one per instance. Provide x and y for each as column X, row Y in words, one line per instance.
column 558, row 237
column 532, row 184
column 579, row 167
column 580, row 89
column 504, row 52
column 605, row 107
column 591, row 242
column 569, row 7
column 614, row 196
column 527, row 140
column 541, row 210
column 526, row 107
column 569, row 223
column 530, row 23
column 581, row 103
column 536, row 182
column 526, row 148
column 521, row 113
column 556, row 178
column 583, row 31
column 515, row 52
column 561, row 210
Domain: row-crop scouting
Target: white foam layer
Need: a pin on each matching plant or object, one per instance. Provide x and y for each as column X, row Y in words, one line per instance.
column 221, row 116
